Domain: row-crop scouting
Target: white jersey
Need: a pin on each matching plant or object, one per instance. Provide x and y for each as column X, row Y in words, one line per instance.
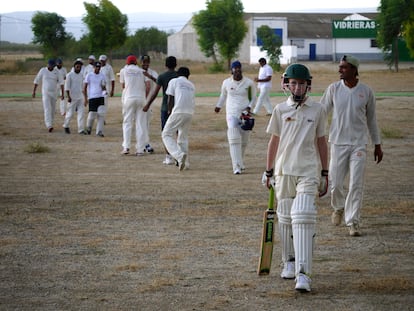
column 183, row 91
column 63, row 72
column 298, row 129
column 237, row 95
column 264, row 72
column 133, row 78
column 108, row 72
column 87, row 69
column 95, row 82
column 353, row 114
column 50, row 80
column 74, row 84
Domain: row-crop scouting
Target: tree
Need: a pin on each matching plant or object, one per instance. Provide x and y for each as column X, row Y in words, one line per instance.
column 49, row 31
column 107, row 26
column 221, row 28
column 271, row 44
column 394, row 17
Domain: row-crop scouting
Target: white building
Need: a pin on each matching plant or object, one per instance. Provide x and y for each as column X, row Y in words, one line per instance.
column 305, row 36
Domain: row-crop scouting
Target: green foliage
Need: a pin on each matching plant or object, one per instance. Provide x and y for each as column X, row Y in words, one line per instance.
column 107, row 26
column 271, row 44
column 393, row 17
column 221, row 29
column 143, row 41
column 408, row 33
column 49, row 31
column 36, row 147
column 391, row 133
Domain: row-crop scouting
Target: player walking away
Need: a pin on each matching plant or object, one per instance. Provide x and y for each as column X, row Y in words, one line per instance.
column 132, row 80
column 63, row 72
column 238, row 93
column 51, row 79
column 297, row 150
column 264, row 84
column 352, row 104
column 150, row 83
column 162, row 81
column 73, row 89
column 181, row 103
column 95, row 92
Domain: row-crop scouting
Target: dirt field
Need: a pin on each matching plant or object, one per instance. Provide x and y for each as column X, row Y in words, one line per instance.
column 84, row 228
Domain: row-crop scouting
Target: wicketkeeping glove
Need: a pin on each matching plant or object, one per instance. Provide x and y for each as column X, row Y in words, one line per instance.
column 323, row 183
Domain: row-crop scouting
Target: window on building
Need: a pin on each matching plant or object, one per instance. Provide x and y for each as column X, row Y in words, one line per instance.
column 276, row 31
column 374, row 43
column 300, row 43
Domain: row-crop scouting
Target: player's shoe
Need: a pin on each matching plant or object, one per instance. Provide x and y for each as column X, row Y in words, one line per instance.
column 67, row 130
column 337, row 216
column 100, row 134
column 288, row 271
column 50, row 129
column 169, row 160
column 354, row 230
column 149, row 149
column 89, row 130
column 303, row 283
column 181, row 162
column 125, row 151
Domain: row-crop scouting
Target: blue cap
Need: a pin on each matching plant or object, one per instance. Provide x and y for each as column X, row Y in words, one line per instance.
column 51, row 63
column 59, row 61
column 235, row 64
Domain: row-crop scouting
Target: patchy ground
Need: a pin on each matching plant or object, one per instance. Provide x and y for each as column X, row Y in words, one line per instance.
column 84, row 228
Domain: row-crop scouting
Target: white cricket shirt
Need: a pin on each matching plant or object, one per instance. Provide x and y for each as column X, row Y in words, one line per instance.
column 134, row 79
column 95, row 83
column 353, row 114
column 74, row 84
column 298, row 130
column 183, row 91
column 50, row 80
column 265, row 72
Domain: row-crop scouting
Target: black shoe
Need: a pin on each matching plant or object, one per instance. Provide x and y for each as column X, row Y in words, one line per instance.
column 100, row 134
column 50, row 129
column 67, row 130
column 88, row 131
column 149, row 149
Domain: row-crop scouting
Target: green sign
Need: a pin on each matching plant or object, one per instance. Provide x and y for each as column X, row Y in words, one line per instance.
column 354, row 29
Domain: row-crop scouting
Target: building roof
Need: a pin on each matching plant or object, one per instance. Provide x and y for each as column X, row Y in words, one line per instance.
column 309, row 25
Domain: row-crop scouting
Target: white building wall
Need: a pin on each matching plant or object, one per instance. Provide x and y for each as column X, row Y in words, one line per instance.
column 323, row 49
column 360, row 48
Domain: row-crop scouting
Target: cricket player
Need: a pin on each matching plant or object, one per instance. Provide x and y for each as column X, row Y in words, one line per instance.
column 352, row 104
column 238, row 93
column 94, row 91
column 108, row 72
column 51, row 79
column 90, row 66
column 63, row 72
column 150, row 82
column 74, row 89
column 297, row 156
column 264, row 84
column 181, row 103
column 132, row 80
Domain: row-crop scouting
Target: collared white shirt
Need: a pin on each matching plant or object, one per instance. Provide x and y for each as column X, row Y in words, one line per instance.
column 297, row 129
column 50, row 80
column 183, row 91
column 74, row 84
column 134, row 79
column 264, row 72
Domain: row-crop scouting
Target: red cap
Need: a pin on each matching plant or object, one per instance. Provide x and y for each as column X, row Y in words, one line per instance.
column 131, row 59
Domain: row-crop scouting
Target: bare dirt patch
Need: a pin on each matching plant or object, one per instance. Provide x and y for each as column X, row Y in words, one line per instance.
column 84, row 228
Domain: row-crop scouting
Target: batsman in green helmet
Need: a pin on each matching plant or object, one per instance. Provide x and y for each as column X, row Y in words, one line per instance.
column 297, row 159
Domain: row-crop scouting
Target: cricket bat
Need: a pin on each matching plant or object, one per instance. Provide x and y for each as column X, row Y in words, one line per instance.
column 267, row 237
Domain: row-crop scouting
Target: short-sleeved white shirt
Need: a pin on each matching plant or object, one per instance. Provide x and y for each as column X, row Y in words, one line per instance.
column 264, row 72
column 183, row 91
column 134, row 79
column 50, row 80
column 298, row 130
column 108, row 72
column 74, row 84
column 95, row 83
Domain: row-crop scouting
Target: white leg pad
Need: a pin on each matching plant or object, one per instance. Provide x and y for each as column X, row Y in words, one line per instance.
column 303, row 225
column 285, row 229
column 234, row 137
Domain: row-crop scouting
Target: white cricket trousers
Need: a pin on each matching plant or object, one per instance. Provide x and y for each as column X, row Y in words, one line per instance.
column 100, row 118
column 296, row 212
column 263, row 100
column 177, row 124
column 76, row 105
column 49, row 108
column 348, row 159
column 134, row 117
column 238, row 140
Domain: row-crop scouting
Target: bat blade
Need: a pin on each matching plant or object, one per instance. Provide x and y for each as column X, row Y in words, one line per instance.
column 266, row 250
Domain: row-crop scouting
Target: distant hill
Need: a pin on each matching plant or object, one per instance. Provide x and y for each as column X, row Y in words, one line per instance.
column 16, row 27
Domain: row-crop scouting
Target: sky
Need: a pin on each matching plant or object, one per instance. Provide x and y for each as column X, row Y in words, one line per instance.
column 73, row 8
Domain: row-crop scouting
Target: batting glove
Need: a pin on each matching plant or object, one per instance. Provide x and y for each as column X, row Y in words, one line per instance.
column 268, row 175
column 323, row 183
